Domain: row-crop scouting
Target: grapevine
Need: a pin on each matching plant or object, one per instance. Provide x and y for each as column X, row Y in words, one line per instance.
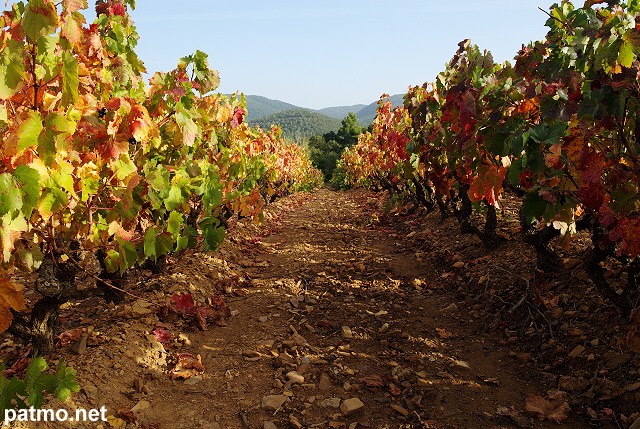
column 95, row 161
column 557, row 129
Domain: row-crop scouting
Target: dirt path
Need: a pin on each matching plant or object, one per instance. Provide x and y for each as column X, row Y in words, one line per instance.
column 336, row 309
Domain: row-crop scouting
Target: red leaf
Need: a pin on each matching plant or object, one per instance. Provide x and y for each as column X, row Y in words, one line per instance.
column 628, row 231
column 238, row 115
column 592, row 164
column 163, row 336
column 201, row 316
column 183, row 302
column 592, row 195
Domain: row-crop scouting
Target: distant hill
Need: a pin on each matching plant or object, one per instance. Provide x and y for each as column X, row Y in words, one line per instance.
column 259, row 107
column 341, row 112
column 367, row 114
column 299, row 124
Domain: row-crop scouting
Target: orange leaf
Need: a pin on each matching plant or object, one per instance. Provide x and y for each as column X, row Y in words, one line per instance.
column 11, row 297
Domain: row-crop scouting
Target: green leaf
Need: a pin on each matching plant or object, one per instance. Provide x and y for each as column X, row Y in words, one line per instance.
column 128, row 255
column 212, row 232
column 29, row 182
column 53, row 198
column 12, row 68
column 533, row 206
column 626, row 54
column 545, row 134
column 29, row 131
column 66, row 381
column 499, row 144
column 10, row 195
column 70, row 79
column 40, row 19
column 174, row 199
column 125, row 166
column 112, row 261
column 150, row 243
column 175, row 222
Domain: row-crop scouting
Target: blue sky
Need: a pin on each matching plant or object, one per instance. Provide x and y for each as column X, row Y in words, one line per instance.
column 331, row 53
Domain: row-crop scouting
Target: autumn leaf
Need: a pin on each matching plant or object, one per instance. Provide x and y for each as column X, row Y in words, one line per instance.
column 183, row 302
column 188, row 366
column 11, row 298
column 238, row 115
column 73, row 5
column 444, row 334
column 487, row 184
column 116, row 229
column 555, row 409
column 162, row 335
column 140, row 124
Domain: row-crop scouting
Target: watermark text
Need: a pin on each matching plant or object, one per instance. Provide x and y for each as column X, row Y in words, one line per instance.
column 61, row 415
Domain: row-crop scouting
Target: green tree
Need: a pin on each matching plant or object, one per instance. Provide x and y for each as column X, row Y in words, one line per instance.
column 326, row 149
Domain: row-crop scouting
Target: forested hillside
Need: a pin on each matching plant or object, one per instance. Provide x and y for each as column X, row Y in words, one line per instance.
column 299, row 124
column 259, row 107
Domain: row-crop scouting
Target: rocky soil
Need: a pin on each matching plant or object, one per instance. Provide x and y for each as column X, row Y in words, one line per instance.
column 333, row 314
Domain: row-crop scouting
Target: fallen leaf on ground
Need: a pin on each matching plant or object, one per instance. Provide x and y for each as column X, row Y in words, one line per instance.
column 188, row 366
column 162, row 335
column 69, row 337
column 555, row 409
column 444, row 334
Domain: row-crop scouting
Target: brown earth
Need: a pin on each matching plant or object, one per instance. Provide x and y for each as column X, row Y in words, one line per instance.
column 421, row 324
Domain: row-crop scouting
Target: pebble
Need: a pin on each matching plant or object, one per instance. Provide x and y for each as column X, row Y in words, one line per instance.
column 576, row 351
column 400, row 410
column 294, row 377
column 91, row 392
column 284, row 360
column 273, row 402
column 350, row 406
column 80, row 346
column 140, row 308
column 185, row 339
column 294, row 422
column 330, row 403
column 267, row 344
column 617, row 361
column 263, row 319
column 325, row 382
column 269, row 425
column 298, row 340
column 250, row 353
column 140, row 406
column 346, row 333
column 458, row 265
column 193, row 380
